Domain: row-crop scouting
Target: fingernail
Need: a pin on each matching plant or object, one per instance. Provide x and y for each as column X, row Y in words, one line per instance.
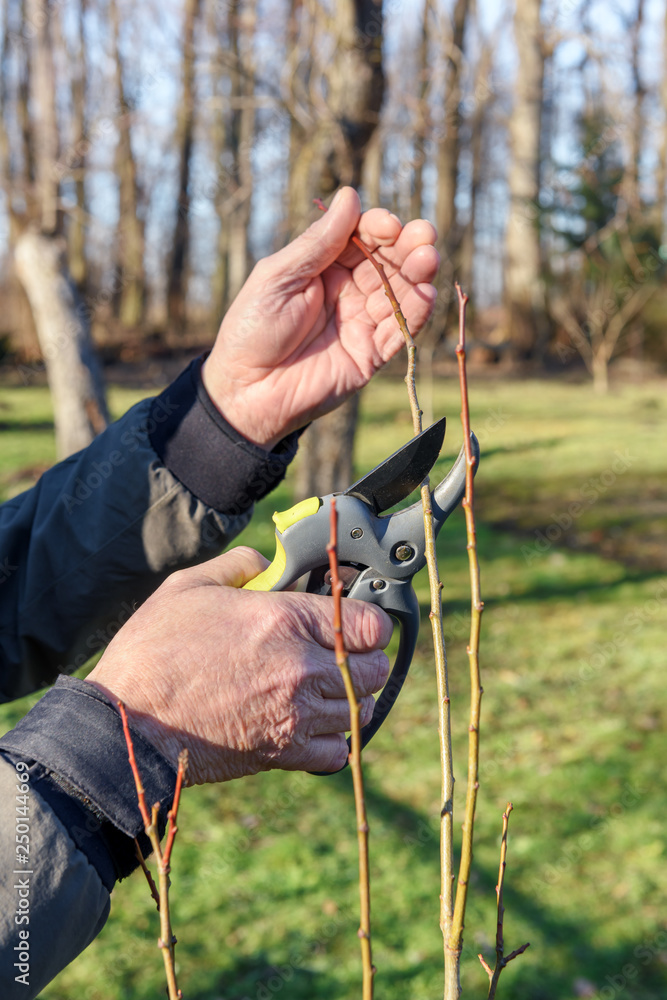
column 336, row 198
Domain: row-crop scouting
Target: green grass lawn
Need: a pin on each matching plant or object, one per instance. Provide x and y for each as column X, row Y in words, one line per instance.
column 572, row 513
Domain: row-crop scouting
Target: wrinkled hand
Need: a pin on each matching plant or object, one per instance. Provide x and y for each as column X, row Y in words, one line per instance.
column 246, row 681
column 312, row 324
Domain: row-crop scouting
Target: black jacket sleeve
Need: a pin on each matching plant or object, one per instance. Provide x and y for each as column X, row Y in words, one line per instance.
column 167, row 486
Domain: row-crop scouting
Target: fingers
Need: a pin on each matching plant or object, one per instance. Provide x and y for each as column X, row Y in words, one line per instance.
column 365, row 626
column 335, row 716
column 319, row 246
column 323, row 753
column 377, row 228
column 417, row 305
column 369, row 673
column 327, row 750
column 404, row 267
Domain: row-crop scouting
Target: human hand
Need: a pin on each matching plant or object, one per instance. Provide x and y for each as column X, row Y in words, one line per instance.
column 312, row 324
column 245, row 681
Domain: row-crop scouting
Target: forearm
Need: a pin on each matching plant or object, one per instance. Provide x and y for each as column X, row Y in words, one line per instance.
column 168, row 485
column 68, row 826
column 51, row 909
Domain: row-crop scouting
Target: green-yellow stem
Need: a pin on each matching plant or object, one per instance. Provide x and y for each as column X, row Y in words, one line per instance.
column 476, row 608
column 364, row 933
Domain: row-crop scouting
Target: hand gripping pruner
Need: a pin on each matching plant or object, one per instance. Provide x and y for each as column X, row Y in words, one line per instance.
column 378, row 555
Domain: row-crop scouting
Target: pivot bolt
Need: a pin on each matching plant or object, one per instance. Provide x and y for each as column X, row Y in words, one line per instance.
column 356, row 532
column 404, row 552
column 378, row 584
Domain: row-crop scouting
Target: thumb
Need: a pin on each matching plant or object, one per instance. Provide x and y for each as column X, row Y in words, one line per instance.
column 232, row 569
column 319, row 246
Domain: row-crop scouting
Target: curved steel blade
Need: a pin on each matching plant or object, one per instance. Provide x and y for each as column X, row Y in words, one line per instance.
column 394, row 479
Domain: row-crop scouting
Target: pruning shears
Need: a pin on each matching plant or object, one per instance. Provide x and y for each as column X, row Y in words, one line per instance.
column 378, row 554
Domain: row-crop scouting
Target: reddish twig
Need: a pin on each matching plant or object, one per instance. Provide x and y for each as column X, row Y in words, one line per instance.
column 502, row 960
column 368, row 969
column 172, row 815
column 141, row 796
column 166, row 941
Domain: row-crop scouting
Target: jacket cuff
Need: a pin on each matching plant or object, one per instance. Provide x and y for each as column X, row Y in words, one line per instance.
column 206, row 454
column 76, row 734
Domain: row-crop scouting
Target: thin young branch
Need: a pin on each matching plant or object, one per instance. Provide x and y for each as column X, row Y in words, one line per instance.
column 141, row 795
column 400, row 319
column 149, row 878
column 451, row 960
column 368, row 969
column 172, row 815
column 166, row 941
column 476, row 608
column 502, row 960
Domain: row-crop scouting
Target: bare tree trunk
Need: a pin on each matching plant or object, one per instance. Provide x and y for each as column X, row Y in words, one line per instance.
column 350, row 88
column 447, row 159
column 600, row 373
column 242, row 131
column 76, row 222
column 73, row 372
column 25, row 86
column 421, row 116
column 331, row 154
column 6, row 173
column 217, row 23
column 524, row 293
column 449, row 145
column 661, row 170
column 131, row 239
column 631, row 178
column 176, row 281
column 45, row 134
column 477, row 135
column 371, row 171
column 41, row 262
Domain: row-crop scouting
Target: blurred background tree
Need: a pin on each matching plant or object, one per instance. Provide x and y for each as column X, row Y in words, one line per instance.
column 166, row 147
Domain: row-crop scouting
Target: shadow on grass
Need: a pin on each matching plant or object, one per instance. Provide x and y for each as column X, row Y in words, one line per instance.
column 26, row 425
column 564, row 957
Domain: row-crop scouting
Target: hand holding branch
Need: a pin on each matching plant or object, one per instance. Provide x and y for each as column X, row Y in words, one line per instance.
column 256, row 685
column 312, row 324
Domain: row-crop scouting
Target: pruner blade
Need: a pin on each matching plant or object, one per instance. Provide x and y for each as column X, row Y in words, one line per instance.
column 394, row 479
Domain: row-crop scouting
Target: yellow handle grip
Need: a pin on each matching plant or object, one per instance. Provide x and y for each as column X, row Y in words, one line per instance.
column 271, row 576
